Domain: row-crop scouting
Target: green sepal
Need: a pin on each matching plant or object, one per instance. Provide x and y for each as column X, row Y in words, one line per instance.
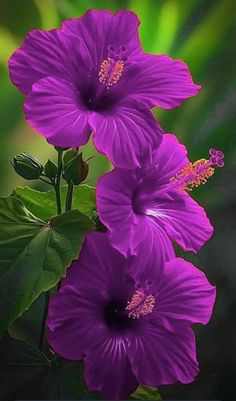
column 50, row 169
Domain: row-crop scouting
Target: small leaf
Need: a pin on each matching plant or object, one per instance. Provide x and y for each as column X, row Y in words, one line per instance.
column 146, row 393
column 33, row 254
column 27, row 373
column 43, row 204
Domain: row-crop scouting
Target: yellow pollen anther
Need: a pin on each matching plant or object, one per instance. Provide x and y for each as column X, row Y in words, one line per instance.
column 110, row 71
column 193, row 175
column 140, row 305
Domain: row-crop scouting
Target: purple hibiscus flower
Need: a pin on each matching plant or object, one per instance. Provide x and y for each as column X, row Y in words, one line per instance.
column 150, row 205
column 128, row 332
column 92, row 75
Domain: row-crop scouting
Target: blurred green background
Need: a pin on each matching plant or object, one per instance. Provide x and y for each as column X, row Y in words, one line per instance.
column 202, row 33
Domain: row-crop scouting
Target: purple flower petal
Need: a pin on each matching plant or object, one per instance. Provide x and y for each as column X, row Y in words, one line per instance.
column 184, row 297
column 100, row 30
column 127, row 229
column 53, row 109
column 114, row 193
column 43, row 53
column 112, row 356
column 127, row 136
column 183, row 219
column 169, row 159
column 152, row 247
column 161, row 81
column 82, row 316
column 158, row 357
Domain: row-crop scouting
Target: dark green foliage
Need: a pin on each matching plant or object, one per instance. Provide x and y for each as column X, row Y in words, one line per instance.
column 34, row 254
column 27, row 373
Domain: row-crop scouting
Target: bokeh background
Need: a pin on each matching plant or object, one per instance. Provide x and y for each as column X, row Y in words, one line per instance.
column 202, row 33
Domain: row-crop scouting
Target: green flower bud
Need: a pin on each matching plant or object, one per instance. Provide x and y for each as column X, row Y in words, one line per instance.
column 84, row 168
column 75, row 169
column 27, row 166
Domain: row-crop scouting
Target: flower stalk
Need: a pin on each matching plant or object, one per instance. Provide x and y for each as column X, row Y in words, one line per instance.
column 57, row 185
column 43, row 324
column 69, row 196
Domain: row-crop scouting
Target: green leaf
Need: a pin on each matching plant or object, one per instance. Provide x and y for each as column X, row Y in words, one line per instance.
column 33, row 254
column 43, row 204
column 146, row 393
column 27, row 373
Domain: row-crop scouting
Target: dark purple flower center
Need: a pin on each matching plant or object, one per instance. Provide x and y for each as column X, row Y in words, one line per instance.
column 143, row 197
column 98, row 94
column 116, row 317
column 122, row 315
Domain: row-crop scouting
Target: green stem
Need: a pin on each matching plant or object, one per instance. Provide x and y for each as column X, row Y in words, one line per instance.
column 69, row 196
column 43, row 325
column 57, row 185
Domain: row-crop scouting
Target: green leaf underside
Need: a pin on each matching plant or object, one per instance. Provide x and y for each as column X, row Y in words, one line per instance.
column 27, row 373
column 146, row 393
column 33, row 254
column 43, row 205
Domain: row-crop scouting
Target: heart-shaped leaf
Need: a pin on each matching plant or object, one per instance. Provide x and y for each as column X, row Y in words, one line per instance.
column 34, row 254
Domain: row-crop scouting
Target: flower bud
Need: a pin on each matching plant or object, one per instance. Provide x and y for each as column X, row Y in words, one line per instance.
column 84, row 168
column 27, row 166
column 75, row 169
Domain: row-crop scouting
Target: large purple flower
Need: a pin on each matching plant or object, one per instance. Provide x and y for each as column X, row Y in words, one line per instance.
column 150, row 206
column 92, row 75
column 128, row 332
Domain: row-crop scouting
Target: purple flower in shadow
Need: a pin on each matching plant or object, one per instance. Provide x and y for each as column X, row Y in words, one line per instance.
column 150, row 206
column 92, row 75
column 128, row 332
